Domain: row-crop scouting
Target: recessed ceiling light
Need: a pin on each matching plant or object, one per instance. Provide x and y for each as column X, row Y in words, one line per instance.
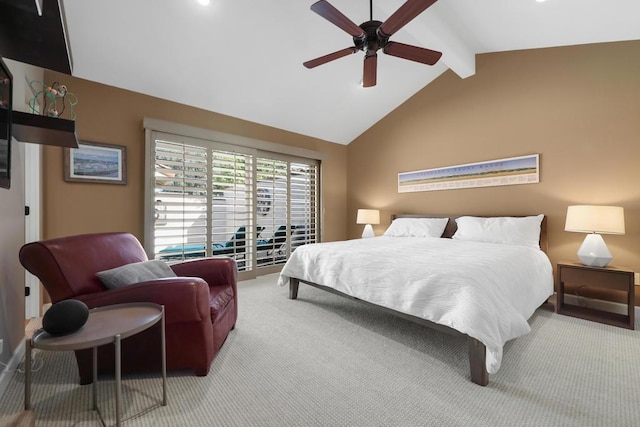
column 204, row 2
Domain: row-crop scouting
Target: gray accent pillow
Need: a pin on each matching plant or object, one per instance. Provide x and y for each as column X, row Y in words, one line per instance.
column 135, row 273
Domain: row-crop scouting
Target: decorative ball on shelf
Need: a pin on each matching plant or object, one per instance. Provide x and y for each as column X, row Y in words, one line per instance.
column 65, row 317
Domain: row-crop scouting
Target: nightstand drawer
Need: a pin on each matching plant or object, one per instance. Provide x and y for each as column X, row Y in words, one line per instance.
column 592, row 277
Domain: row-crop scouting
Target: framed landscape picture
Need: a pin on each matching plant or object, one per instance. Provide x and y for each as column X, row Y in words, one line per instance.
column 96, row 163
column 510, row 171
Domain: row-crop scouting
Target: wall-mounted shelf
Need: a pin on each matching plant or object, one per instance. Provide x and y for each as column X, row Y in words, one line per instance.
column 43, row 130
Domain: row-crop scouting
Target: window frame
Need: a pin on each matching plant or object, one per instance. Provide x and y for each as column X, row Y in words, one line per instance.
column 162, row 130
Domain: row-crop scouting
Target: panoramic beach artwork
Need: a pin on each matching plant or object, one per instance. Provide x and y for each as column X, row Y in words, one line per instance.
column 510, row 171
column 96, row 163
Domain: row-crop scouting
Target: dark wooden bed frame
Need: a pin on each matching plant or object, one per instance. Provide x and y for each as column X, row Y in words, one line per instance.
column 477, row 350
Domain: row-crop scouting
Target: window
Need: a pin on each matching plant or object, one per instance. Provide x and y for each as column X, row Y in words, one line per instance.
column 207, row 198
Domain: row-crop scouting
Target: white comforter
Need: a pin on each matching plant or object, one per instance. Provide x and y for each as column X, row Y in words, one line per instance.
column 484, row 290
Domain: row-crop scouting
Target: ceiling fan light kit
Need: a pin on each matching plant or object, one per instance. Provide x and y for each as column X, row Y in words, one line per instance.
column 372, row 36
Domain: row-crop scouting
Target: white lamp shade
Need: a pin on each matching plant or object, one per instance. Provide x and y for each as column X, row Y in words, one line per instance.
column 595, row 219
column 368, row 216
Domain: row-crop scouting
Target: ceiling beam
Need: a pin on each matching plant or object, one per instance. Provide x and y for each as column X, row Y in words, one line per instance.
column 431, row 31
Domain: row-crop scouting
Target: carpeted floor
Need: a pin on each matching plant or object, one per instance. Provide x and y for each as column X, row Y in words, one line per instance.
column 323, row 360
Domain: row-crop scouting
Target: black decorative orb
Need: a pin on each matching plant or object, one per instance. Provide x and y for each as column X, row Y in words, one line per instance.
column 65, row 317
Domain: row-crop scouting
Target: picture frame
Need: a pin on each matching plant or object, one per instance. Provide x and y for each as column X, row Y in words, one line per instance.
column 97, row 163
column 492, row 173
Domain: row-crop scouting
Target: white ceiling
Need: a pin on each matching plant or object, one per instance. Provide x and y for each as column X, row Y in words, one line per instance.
column 243, row 58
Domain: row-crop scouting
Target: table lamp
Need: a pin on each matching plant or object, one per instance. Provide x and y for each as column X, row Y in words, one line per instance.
column 368, row 217
column 595, row 220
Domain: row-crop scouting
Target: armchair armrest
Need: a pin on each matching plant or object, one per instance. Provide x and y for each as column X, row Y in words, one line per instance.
column 221, row 271
column 186, row 299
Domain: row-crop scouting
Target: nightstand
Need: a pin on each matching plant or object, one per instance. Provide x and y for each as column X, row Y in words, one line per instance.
column 616, row 278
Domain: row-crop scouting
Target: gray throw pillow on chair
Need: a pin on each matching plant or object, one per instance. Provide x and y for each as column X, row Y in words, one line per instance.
column 135, row 273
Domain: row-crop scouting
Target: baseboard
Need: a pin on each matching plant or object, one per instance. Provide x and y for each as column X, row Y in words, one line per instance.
column 8, row 371
column 597, row 304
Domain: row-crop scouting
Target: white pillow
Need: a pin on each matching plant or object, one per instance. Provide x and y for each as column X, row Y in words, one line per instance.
column 417, row 227
column 524, row 231
column 135, row 273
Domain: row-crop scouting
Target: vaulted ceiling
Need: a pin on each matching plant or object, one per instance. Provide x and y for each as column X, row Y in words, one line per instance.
column 243, row 58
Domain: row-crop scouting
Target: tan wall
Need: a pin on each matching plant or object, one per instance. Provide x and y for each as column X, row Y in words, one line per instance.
column 114, row 116
column 578, row 107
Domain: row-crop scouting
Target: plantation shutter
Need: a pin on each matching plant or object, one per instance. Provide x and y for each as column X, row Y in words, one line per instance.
column 207, row 198
column 287, row 206
column 304, row 203
column 272, row 210
column 232, row 206
column 181, row 184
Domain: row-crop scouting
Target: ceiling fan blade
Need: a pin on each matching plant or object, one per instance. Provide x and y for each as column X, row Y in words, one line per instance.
column 403, row 15
column 333, row 15
column 330, row 57
column 412, row 53
column 370, row 70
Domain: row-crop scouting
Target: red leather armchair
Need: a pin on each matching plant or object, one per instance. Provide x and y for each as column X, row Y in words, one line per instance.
column 201, row 305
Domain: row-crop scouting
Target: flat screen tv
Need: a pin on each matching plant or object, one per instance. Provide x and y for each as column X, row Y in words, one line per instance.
column 6, row 91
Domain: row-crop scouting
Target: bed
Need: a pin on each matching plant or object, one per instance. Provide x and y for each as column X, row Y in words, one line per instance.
column 484, row 279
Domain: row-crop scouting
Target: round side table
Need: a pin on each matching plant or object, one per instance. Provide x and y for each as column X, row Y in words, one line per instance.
column 105, row 325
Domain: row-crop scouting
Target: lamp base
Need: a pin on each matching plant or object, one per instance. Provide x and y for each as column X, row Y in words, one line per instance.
column 594, row 252
column 368, row 231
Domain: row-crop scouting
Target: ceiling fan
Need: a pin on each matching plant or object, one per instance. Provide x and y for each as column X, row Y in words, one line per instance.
column 372, row 36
